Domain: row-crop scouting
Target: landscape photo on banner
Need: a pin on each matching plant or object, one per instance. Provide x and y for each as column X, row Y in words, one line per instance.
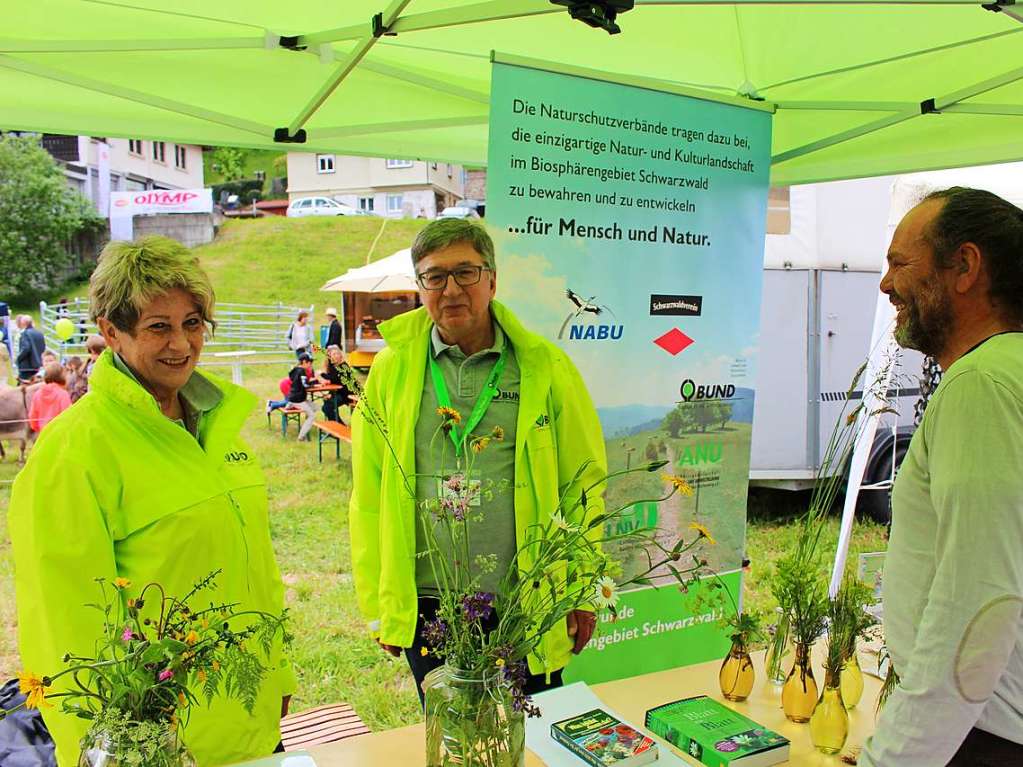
column 629, row 224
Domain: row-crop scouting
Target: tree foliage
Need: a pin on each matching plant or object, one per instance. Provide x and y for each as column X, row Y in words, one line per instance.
column 688, row 417
column 39, row 214
column 229, row 162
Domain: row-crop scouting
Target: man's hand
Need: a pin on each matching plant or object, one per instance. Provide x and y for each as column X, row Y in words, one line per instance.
column 580, row 625
column 390, row 649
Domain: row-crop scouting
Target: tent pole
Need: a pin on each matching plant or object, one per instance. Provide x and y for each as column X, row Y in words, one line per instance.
column 380, row 26
column 838, row 138
column 427, row 82
column 148, row 99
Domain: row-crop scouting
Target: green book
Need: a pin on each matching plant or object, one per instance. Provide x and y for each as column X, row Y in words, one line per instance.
column 715, row 734
column 600, row 740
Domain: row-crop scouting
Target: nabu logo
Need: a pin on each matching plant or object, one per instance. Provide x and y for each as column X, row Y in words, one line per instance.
column 588, row 331
column 239, row 456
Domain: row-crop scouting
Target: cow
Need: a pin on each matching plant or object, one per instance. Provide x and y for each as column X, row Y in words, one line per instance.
column 14, row 404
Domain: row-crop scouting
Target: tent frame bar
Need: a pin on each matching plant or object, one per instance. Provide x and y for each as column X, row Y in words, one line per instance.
column 928, row 106
column 88, row 83
column 380, row 25
column 395, row 127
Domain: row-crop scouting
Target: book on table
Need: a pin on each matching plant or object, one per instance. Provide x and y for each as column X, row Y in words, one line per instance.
column 715, row 734
column 601, row 740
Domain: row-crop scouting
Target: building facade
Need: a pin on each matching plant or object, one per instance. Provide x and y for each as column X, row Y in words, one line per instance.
column 128, row 165
column 394, row 188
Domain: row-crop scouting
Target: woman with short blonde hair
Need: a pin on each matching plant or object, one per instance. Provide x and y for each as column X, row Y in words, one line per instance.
column 148, row 479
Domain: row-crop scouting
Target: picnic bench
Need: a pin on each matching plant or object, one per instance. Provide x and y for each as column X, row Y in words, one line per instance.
column 324, row 724
column 288, row 414
column 335, row 431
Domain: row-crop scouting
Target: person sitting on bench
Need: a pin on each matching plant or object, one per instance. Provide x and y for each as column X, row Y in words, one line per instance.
column 336, row 371
column 301, row 377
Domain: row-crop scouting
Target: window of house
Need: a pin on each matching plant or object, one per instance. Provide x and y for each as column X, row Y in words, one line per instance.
column 779, row 211
column 179, row 156
column 135, row 147
column 398, row 164
column 324, row 163
column 366, row 204
column 159, row 151
column 395, row 203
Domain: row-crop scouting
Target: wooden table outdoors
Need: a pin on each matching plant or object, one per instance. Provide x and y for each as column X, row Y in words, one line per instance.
column 630, row 698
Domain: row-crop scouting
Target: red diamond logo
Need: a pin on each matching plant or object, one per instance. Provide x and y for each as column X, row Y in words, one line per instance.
column 674, row 341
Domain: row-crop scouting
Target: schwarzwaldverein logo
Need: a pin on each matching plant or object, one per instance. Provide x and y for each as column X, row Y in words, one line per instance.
column 676, row 306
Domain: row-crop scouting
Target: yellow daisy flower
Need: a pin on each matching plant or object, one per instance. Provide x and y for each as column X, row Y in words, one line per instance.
column 499, row 662
column 450, row 414
column 121, row 583
column 703, row 532
column 679, row 483
column 497, row 433
column 35, row 688
column 424, row 652
column 479, row 445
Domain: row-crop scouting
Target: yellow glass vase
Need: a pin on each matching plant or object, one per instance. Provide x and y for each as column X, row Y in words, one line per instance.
column 799, row 695
column 736, row 676
column 851, row 681
column 829, row 723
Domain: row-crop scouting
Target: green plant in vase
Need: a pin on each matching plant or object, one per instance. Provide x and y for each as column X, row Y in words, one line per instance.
column 802, row 586
column 156, row 656
column 744, row 628
column 848, row 620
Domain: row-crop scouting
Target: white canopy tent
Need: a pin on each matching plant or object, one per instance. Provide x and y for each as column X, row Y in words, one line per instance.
column 384, row 276
column 393, row 274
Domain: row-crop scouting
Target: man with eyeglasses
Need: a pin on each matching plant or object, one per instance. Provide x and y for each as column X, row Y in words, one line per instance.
column 465, row 351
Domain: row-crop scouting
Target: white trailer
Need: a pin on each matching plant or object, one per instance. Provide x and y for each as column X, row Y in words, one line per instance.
column 821, row 290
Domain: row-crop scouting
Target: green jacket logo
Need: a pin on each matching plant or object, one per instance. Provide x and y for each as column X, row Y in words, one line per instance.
column 236, row 457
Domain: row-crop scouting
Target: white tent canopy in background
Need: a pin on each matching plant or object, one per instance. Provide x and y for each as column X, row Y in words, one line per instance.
column 394, row 273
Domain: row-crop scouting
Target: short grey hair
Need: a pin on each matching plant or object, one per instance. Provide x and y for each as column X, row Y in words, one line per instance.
column 442, row 232
column 131, row 274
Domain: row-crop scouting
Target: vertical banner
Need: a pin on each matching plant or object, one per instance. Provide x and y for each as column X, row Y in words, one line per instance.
column 630, row 231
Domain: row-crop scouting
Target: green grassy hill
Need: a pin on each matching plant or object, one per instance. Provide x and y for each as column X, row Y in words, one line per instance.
column 266, row 260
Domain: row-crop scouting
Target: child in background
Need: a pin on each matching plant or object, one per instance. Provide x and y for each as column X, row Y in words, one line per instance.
column 51, row 399
column 77, row 383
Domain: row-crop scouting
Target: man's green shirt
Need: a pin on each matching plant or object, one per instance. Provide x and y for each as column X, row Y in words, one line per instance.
column 491, row 528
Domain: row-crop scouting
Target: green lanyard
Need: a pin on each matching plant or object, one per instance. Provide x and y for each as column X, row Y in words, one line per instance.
column 482, row 402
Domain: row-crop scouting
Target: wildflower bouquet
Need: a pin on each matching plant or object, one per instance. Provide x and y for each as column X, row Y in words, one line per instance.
column 475, row 706
column 156, row 651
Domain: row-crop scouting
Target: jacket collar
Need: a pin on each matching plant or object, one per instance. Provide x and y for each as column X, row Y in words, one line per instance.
column 224, row 420
column 411, row 330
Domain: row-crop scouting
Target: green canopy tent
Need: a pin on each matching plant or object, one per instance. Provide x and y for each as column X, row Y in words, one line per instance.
column 858, row 88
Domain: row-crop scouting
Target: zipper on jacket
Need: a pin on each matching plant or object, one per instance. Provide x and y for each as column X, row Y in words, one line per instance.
column 245, row 541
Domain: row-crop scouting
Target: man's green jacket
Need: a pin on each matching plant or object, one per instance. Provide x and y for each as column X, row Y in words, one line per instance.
column 558, row 433
column 114, row 489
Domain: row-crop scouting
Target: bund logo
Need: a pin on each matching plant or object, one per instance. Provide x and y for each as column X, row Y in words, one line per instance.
column 236, row 456
column 588, row 331
column 692, row 391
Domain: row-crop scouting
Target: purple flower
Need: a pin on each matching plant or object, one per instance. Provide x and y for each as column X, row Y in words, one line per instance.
column 478, row 606
column 515, row 675
column 435, row 633
column 165, row 675
column 454, row 482
column 128, row 634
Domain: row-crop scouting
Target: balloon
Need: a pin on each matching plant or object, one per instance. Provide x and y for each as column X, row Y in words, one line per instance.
column 64, row 328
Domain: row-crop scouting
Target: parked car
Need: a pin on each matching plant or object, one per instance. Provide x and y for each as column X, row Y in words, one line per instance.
column 321, row 206
column 458, row 211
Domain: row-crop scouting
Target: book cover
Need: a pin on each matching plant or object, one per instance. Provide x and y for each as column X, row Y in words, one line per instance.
column 715, row 734
column 601, row 740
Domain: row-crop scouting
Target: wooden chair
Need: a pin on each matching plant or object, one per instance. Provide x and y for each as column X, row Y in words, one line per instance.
column 290, row 413
column 323, row 724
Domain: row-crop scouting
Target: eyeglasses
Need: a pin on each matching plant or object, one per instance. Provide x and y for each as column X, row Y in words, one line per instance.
column 437, row 279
